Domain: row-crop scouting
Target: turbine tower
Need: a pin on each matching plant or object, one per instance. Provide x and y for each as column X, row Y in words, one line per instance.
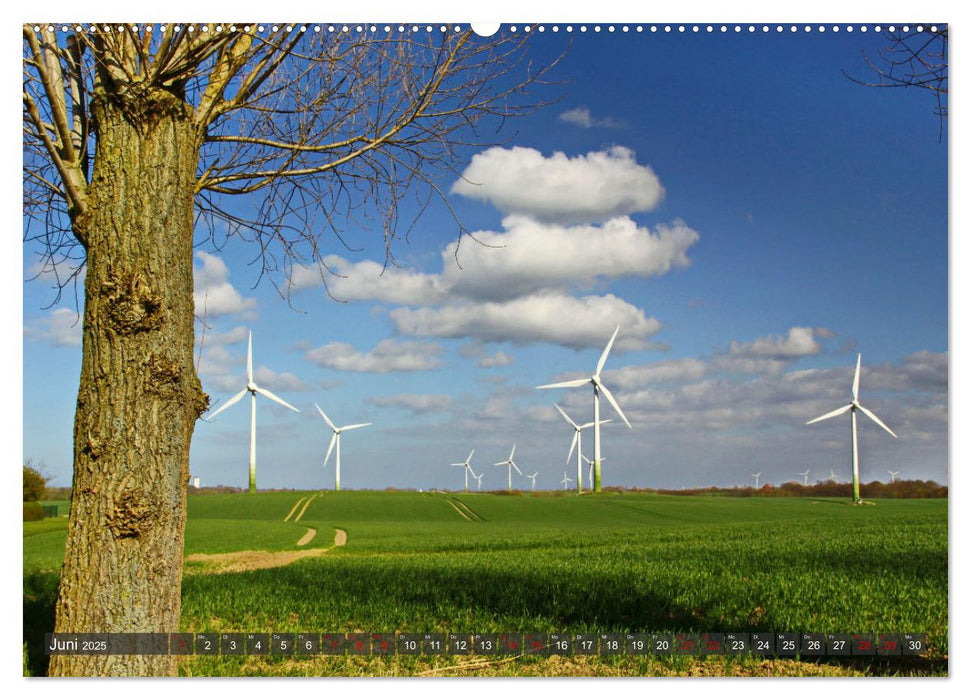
column 893, row 476
column 468, row 468
column 853, row 407
column 577, row 443
column 511, row 464
column 805, row 477
column 598, row 388
column 757, row 475
column 533, row 477
column 253, row 390
column 336, row 440
column 566, row 481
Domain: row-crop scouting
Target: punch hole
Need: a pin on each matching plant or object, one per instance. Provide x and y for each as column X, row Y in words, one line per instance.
column 485, row 29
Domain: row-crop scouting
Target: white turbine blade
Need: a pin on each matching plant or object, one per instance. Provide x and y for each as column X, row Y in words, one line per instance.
column 613, row 402
column 469, row 458
column 565, row 385
column 872, row 416
column 603, row 357
column 831, row 414
column 271, row 395
column 592, row 423
column 356, row 425
column 856, row 378
column 249, row 359
column 330, row 448
column 512, row 452
column 458, row 464
column 227, row 404
column 568, row 419
column 515, row 467
column 324, row 416
column 500, row 464
column 576, row 434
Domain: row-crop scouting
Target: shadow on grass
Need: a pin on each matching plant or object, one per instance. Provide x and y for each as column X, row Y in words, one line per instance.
column 40, row 595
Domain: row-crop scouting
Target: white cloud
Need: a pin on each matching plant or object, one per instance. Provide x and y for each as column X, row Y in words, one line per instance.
column 387, row 356
column 369, row 280
column 212, row 292
column 500, row 359
column 798, row 343
column 592, row 187
column 581, row 116
column 529, row 256
column 547, row 317
column 416, row 403
column 61, row 327
column 277, row 381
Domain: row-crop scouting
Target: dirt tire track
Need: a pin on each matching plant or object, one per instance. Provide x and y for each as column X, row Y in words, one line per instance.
column 307, row 537
column 304, row 509
column 251, row 560
column 296, row 505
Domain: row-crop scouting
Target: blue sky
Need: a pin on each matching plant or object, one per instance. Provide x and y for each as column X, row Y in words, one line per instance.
column 749, row 217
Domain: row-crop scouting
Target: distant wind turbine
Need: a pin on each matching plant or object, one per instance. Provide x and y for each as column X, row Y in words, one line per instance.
column 893, row 476
column 533, row 478
column 510, row 464
column 832, row 476
column 577, row 443
column 468, row 468
column 757, row 475
column 253, row 391
column 805, row 477
column 853, row 407
column 598, row 388
column 566, row 481
column 478, row 480
column 590, row 468
column 336, row 440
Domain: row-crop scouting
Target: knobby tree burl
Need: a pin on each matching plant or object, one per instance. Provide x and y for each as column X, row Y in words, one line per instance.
column 141, row 142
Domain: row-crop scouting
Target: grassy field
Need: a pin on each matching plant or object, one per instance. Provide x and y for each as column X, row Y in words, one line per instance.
column 550, row 562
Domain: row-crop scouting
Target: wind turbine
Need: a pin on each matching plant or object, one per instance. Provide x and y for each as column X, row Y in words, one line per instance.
column 590, row 468
column 478, row 480
column 832, row 476
column 512, row 465
column 577, row 443
column 253, row 390
column 805, row 477
column 533, row 477
column 598, row 387
column 893, row 476
column 853, row 407
column 757, row 475
column 566, row 481
column 468, row 468
column 336, row 440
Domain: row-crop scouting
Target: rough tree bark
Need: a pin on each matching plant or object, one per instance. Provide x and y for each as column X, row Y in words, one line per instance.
column 139, row 395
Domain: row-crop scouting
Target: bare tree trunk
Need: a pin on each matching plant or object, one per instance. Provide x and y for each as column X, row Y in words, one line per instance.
column 139, row 395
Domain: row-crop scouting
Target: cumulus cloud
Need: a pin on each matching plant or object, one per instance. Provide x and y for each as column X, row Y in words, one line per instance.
column 583, row 322
column 581, row 116
column 529, row 256
column 593, row 187
column 277, row 381
column 500, row 359
column 635, row 376
column 416, row 403
column 212, row 292
column 798, row 343
column 60, row 328
column 387, row 356
column 370, row 280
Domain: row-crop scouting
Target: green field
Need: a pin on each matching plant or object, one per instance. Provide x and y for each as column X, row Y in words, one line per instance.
column 550, row 562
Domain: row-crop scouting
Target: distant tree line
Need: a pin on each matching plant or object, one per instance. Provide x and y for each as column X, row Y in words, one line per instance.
column 902, row 488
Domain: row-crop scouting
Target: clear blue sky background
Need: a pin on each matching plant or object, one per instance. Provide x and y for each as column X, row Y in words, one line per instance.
column 803, row 220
